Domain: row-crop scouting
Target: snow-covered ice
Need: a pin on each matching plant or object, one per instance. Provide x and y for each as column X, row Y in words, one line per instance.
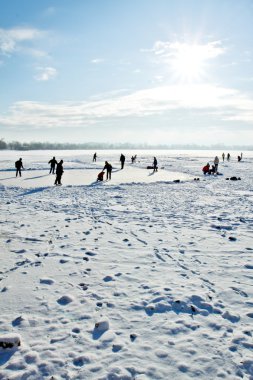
column 140, row 277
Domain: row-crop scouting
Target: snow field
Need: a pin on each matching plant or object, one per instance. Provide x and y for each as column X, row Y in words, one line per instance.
column 131, row 280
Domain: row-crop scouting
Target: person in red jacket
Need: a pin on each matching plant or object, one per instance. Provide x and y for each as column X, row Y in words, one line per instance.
column 206, row 169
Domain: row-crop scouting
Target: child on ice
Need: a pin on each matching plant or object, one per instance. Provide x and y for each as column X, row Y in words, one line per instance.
column 100, row 176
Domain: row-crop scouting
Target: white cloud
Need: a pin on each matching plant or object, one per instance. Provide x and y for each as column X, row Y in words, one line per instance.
column 11, row 40
column 222, row 103
column 170, row 50
column 45, row 73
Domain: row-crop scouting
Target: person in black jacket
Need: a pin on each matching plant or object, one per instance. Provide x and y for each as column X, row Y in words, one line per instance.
column 155, row 164
column 53, row 162
column 19, row 166
column 108, row 168
column 59, row 172
column 122, row 160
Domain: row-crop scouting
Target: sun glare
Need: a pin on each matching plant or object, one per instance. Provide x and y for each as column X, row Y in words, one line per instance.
column 188, row 62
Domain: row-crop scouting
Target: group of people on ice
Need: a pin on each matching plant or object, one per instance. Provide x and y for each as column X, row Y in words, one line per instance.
column 57, row 167
column 213, row 169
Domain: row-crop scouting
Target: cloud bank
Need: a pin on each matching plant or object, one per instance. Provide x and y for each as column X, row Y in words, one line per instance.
column 224, row 104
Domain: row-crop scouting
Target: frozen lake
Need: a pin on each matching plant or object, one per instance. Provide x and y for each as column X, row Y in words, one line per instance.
column 132, row 279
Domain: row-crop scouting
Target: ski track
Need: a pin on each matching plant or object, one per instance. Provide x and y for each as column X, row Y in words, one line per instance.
column 156, row 260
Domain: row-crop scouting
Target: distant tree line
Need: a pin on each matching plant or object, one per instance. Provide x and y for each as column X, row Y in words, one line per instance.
column 16, row 145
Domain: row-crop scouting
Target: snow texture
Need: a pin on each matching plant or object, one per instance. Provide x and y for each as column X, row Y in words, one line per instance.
column 137, row 278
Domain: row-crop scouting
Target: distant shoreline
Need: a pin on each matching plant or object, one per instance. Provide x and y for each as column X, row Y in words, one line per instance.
column 17, row 146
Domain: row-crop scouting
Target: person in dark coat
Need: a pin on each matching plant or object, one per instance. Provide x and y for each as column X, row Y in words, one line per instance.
column 108, row 168
column 155, row 164
column 59, row 172
column 19, row 166
column 122, row 160
column 52, row 162
column 101, row 176
column 94, row 157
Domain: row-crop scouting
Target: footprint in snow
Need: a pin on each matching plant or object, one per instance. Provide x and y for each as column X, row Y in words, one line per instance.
column 89, row 253
column 108, row 279
column 47, row 281
column 65, row 300
column 83, row 286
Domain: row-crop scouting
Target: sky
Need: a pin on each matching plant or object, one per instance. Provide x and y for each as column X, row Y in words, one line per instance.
column 136, row 71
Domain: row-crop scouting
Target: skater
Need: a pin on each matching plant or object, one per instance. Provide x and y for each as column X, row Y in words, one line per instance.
column 53, row 162
column 228, row 156
column 101, row 176
column 239, row 158
column 122, row 160
column 223, row 156
column 108, row 168
column 216, row 163
column 59, row 172
column 95, row 157
column 19, row 166
column 155, row 165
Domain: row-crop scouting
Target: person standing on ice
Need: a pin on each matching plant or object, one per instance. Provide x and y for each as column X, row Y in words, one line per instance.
column 59, row 172
column 223, row 156
column 108, row 168
column 228, row 156
column 216, row 163
column 95, row 157
column 52, row 162
column 19, row 166
column 155, row 164
column 122, row 160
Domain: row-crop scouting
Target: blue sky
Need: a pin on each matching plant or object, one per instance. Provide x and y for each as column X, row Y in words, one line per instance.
column 139, row 71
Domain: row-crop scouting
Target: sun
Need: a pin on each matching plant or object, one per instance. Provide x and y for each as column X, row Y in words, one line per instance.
column 188, row 62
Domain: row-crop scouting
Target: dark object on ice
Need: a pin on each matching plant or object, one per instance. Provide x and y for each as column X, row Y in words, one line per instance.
column 108, row 168
column 59, row 172
column 100, row 176
column 133, row 337
column 150, row 167
column 94, row 157
column 235, row 178
column 52, row 162
column 19, row 166
column 176, row 180
column 196, row 179
column 239, row 158
column 232, row 238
